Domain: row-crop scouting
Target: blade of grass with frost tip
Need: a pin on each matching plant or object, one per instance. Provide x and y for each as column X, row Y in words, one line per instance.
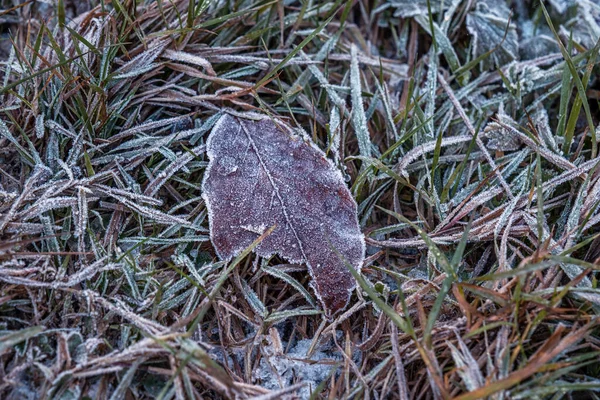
column 128, row 269
column 359, row 120
column 578, row 84
column 564, row 127
column 436, row 158
column 88, row 164
column 253, row 300
column 22, row 99
column 573, row 227
column 292, row 282
column 383, row 91
column 12, row 338
column 439, row 256
column 419, row 115
column 539, row 198
column 362, row 178
column 409, row 106
column 279, row 316
column 59, row 52
column 296, row 50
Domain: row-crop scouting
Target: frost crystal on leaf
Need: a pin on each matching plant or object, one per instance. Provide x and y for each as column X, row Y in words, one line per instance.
column 261, row 175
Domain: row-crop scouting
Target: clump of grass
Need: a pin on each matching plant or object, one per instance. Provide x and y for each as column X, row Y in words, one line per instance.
column 474, row 165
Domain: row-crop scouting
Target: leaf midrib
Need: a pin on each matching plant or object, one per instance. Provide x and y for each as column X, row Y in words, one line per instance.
column 276, row 189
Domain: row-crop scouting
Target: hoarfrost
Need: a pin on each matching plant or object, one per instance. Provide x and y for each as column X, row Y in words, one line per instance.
column 488, row 24
column 296, row 364
column 359, row 119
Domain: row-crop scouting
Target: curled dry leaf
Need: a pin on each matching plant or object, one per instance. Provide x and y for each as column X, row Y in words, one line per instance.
column 261, row 175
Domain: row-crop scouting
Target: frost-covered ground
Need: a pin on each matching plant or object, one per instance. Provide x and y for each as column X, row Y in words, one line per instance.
column 466, row 132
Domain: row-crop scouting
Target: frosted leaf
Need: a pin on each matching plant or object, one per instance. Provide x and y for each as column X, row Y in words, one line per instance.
column 487, row 24
column 261, row 175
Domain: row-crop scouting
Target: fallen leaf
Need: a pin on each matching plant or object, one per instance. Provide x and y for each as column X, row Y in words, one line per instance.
column 261, row 175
